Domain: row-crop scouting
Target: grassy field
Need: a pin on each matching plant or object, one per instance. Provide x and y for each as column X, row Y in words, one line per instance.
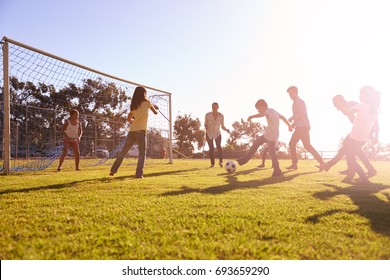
column 187, row 210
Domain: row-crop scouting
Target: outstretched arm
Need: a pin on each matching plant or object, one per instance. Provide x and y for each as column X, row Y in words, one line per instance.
column 348, row 111
column 259, row 115
column 154, row 109
column 290, row 128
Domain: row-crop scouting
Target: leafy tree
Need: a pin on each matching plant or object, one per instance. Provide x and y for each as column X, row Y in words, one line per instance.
column 243, row 134
column 382, row 148
column 187, row 132
column 101, row 106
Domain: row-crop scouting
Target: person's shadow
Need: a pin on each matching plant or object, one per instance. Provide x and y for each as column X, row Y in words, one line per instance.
column 371, row 202
column 106, row 179
column 232, row 183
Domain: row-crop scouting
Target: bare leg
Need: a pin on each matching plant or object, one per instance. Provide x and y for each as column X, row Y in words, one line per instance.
column 63, row 155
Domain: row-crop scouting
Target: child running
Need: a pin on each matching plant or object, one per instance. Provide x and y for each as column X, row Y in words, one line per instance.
column 270, row 136
column 341, row 104
column 366, row 115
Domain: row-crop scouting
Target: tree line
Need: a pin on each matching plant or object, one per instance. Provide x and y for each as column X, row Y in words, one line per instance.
column 38, row 112
column 190, row 136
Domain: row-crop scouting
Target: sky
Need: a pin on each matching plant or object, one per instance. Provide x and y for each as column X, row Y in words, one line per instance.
column 226, row 51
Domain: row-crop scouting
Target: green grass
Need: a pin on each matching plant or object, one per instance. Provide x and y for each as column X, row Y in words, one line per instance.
column 186, row 210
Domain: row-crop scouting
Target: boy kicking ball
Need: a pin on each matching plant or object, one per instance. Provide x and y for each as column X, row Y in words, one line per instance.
column 270, row 136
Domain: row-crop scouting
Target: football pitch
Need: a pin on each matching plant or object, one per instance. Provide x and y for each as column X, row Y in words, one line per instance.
column 188, row 211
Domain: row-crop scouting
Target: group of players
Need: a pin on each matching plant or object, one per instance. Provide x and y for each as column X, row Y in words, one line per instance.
column 363, row 115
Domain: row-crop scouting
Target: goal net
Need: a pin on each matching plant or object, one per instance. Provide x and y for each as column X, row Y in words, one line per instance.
column 37, row 92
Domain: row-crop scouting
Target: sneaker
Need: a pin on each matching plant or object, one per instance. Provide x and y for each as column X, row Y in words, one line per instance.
column 59, row 169
column 261, row 166
column 371, row 173
column 220, row 164
column 211, row 165
column 139, row 177
column 293, row 167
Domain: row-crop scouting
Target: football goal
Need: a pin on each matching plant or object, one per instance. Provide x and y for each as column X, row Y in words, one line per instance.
column 37, row 92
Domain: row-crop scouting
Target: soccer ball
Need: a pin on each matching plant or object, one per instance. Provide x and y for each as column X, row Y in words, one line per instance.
column 230, row 166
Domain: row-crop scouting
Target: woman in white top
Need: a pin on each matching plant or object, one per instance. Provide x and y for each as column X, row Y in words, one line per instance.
column 213, row 123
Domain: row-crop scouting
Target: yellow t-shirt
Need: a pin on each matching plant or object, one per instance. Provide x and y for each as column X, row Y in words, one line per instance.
column 140, row 116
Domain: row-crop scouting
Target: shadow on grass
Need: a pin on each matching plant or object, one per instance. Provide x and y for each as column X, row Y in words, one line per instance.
column 89, row 181
column 244, row 172
column 52, row 187
column 234, row 184
column 365, row 197
column 157, row 174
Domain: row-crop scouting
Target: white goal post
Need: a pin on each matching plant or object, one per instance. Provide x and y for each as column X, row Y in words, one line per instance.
column 38, row 89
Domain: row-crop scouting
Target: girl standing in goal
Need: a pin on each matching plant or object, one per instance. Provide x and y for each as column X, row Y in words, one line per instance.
column 138, row 118
column 72, row 131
